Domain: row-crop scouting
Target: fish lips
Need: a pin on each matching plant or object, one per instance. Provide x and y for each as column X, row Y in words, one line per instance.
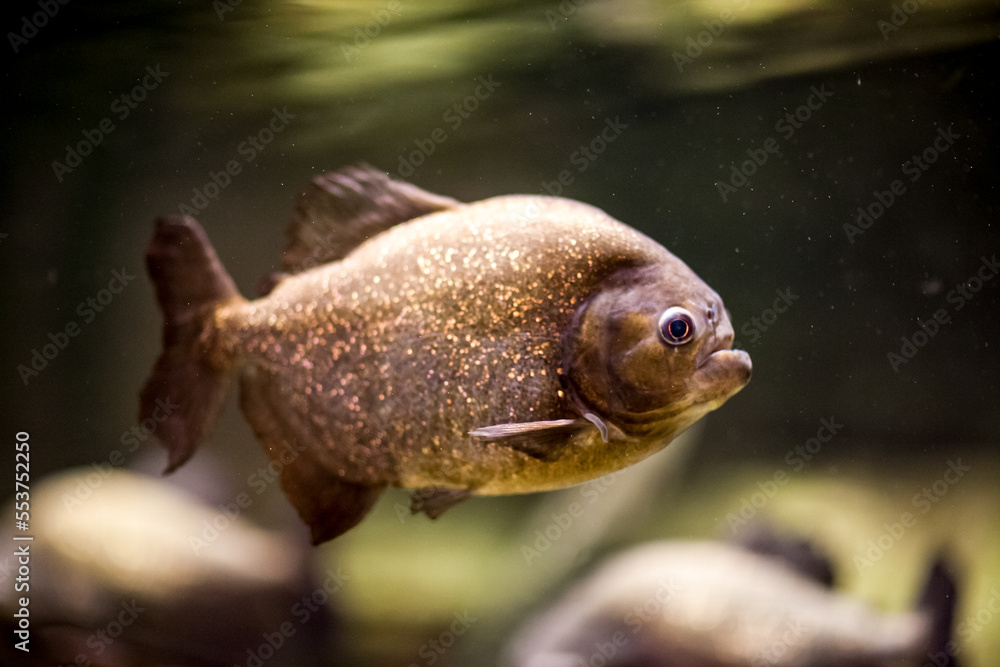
column 722, row 374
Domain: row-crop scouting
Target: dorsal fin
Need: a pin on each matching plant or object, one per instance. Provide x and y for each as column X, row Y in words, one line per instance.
column 341, row 209
column 798, row 554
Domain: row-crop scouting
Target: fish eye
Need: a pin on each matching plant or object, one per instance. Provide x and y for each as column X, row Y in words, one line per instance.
column 676, row 326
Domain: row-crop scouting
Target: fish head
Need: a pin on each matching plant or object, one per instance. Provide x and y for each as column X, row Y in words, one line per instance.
column 650, row 352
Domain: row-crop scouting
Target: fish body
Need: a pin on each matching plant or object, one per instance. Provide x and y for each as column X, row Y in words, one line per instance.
column 704, row 604
column 455, row 349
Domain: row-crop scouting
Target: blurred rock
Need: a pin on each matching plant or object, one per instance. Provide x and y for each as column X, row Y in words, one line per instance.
column 705, row 604
column 129, row 570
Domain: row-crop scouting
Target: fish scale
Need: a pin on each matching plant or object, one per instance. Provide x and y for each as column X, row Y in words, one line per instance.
column 451, row 352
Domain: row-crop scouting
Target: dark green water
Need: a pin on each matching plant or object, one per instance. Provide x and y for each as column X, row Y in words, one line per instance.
column 647, row 110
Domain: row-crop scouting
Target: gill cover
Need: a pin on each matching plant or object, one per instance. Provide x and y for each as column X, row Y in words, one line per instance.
column 635, row 346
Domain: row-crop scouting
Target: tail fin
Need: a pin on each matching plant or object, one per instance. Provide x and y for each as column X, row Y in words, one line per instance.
column 190, row 284
column 938, row 601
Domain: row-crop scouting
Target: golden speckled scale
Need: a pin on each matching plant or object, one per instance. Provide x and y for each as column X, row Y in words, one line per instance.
column 511, row 345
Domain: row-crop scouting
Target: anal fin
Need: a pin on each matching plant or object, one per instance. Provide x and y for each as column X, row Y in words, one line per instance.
column 329, row 504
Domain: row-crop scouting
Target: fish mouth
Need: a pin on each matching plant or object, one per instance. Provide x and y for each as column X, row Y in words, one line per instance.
column 723, row 373
column 730, row 357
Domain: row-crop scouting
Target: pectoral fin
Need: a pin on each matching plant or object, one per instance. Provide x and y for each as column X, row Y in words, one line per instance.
column 433, row 501
column 543, row 440
column 608, row 430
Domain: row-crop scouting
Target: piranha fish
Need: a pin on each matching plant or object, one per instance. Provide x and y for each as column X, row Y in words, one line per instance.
column 511, row 345
column 707, row 604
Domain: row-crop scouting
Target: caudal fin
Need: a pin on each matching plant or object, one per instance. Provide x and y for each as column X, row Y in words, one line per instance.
column 938, row 601
column 190, row 284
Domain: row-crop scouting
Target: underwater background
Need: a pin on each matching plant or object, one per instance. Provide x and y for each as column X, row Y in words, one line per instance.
column 830, row 169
